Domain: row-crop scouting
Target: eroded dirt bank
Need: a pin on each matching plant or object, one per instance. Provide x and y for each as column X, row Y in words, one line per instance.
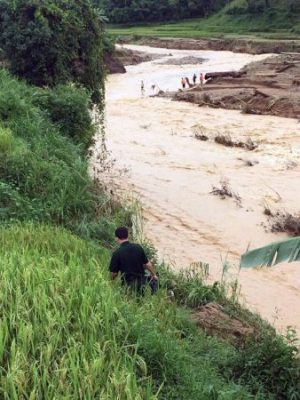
column 236, row 45
column 269, row 87
column 123, row 57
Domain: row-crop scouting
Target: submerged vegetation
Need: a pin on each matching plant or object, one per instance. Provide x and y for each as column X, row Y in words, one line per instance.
column 66, row 330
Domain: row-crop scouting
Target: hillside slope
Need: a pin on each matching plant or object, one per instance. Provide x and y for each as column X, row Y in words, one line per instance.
column 66, row 332
column 279, row 21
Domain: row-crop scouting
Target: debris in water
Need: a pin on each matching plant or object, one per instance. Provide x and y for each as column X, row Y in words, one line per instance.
column 227, row 141
column 226, row 191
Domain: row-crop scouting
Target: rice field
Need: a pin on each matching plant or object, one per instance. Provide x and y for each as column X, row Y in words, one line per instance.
column 67, row 332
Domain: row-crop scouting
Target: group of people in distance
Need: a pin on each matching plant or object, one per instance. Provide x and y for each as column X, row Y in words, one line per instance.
column 186, row 82
column 153, row 87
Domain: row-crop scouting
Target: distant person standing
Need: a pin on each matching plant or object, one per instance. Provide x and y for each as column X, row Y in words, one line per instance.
column 201, row 79
column 183, row 83
column 142, row 88
column 194, row 79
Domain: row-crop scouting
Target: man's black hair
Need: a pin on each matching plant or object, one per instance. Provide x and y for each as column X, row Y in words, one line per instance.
column 121, row 233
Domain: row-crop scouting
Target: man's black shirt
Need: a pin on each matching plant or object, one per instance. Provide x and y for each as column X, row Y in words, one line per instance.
column 129, row 260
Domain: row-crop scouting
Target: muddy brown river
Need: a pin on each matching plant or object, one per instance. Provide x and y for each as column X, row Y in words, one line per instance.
column 172, row 174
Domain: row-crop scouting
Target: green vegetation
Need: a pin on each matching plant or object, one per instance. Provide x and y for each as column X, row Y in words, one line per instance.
column 51, row 42
column 43, row 176
column 132, row 11
column 278, row 21
column 66, row 330
column 69, row 108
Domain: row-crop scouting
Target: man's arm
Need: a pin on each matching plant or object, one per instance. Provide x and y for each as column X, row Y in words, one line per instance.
column 114, row 266
column 113, row 275
column 151, row 269
column 148, row 264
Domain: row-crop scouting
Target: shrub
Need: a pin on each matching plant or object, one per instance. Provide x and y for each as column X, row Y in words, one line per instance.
column 50, row 42
column 270, row 363
column 42, row 173
column 69, row 108
column 282, row 221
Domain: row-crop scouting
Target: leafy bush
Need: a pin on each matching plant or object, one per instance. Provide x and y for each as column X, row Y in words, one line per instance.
column 121, row 12
column 42, row 174
column 50, row 42
column 69, row 108
column 270, row 363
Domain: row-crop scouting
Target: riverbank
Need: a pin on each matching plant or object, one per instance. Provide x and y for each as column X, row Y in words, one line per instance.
column 268, row 87
column 121, row 57
column 237, row 45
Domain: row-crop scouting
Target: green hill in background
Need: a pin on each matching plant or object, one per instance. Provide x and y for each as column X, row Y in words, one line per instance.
column 268, row 19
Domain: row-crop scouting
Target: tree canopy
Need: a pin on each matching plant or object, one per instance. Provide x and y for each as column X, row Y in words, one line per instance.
column 48, row 42
column 128, row 11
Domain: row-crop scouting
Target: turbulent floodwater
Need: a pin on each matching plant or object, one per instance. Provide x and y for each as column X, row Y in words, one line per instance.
column 172, row 174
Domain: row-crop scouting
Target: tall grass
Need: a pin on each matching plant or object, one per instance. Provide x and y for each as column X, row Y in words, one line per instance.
column 67, row 332
column 266, row 363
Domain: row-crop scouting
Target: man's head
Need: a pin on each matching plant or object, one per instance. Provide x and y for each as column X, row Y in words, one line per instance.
column 121, row 234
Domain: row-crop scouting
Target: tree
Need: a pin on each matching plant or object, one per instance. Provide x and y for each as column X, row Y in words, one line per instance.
column 132, row 11
column 48, row 42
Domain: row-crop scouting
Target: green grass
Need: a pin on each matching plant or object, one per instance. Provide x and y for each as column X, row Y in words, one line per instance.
column 67, row 332
column 275, row 24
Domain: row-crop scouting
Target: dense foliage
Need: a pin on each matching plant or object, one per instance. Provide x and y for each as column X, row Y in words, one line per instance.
column 53, row 41
column 272, row 19
column 66, row 331
column 131, row 11
column 263, row 6
column 43, row 176
column 69, row 108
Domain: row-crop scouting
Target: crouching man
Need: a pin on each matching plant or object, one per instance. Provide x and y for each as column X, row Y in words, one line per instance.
column 130, row 261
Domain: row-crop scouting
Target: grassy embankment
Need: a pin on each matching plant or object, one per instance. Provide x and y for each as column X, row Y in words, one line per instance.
column 66, row 331
column 277, row 23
